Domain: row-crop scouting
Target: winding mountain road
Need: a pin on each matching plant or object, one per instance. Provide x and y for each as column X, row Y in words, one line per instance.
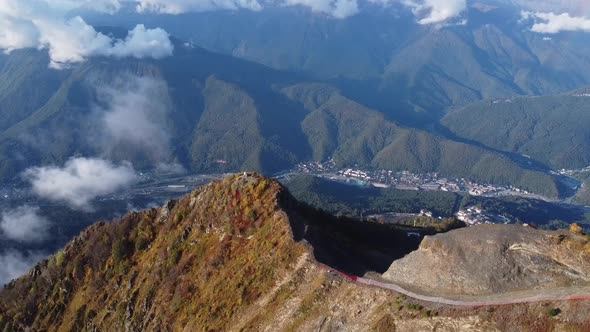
column 517, row 297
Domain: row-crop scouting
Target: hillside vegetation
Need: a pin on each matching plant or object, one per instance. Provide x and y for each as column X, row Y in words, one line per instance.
column 552, row 130
column 199, row 263
column 339, row 198
column 212, row 253
column 583, row 195
column 230, row 256
column 354, row 134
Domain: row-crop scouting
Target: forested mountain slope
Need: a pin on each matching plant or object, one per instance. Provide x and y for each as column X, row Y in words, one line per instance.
column 552, row 129
column 213, row 113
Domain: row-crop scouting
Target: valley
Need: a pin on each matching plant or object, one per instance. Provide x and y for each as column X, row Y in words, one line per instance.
column 406, row 180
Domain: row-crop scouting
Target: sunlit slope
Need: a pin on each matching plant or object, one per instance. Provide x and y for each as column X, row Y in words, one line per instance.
column 553, row 130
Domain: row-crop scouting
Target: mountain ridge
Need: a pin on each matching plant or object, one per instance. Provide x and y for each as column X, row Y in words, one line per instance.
column 232, row 256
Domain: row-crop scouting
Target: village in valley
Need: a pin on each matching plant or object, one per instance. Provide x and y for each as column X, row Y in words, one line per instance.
column 477, row 216
column 405, row 180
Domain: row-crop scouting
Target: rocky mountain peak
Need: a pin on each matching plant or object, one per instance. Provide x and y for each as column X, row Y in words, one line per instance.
column 495, row 259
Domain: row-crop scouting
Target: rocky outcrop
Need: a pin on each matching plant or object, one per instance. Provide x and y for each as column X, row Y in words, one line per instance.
column 493, row 259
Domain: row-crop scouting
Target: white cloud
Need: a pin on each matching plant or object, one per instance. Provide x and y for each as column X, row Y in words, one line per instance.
column 551, row 23
column 39, row 24
column 14, row 264
column 183, row 6
column 345, row 8
column 105, row 6
column 436, row 11
column 143, row 43
column 334, row 8
column 428, row 11
column 24, row 224
column 80, row 181
column 16, row 33
column 70, row 42
column 134, row 119
column 558, row 6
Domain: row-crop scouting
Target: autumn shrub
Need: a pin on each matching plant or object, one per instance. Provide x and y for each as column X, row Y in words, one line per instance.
column 576, row 229
column 174, row 255
column 141, row 243
column 180, row 216
column 120, row 250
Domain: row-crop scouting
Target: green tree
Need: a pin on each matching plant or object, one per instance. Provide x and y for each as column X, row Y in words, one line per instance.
column 554, row 312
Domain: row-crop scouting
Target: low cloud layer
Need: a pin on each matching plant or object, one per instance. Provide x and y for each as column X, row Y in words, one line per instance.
column 556, row 6
column 436, row 11
column 133, row 119
column 551, row 23
column 427, row 11
column 334, row 8
column 183, row 6
column 24, row 224
column 37, row 24
column 105, row 6
column 80, row 181
column 14, row 264
column 42, row 23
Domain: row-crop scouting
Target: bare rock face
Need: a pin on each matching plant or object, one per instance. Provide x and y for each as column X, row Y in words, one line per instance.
column 494, row 259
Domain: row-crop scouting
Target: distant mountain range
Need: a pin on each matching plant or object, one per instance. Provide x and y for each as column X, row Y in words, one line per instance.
column 212, row 113
column 410, row 71
column 368, row 90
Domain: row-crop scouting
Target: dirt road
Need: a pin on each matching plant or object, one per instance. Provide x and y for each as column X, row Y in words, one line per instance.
column 527, row 296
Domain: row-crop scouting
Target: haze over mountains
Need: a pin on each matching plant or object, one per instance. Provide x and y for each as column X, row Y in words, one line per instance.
column 488, row 51
column 411, row 73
